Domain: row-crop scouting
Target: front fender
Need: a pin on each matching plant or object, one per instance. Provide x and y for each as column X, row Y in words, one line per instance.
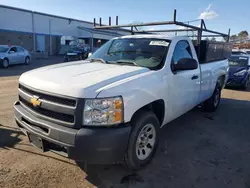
column 137, row 92
column 245, row 78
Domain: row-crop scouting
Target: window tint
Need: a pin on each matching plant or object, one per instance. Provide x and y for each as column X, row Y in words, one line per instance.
column 19, row 49
column 182, row 50
column 13, row 49
column 238, row 61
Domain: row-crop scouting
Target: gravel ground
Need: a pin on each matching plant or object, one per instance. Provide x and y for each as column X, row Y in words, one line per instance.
column 196, row 150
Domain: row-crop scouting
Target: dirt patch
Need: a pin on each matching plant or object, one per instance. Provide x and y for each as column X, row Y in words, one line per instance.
column 196, row 150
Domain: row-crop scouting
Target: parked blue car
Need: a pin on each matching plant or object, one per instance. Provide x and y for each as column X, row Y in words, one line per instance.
column 239, row 71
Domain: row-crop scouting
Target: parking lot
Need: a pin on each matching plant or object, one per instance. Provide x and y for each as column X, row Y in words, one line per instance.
column 196, row 150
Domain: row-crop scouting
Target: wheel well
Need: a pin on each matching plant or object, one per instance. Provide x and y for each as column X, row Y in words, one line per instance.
column 6, row 59
column 158, row 107
column 221, row 80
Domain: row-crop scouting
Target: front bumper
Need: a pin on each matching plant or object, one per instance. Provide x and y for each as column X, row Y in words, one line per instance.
column 95, row 145
column 236, row 81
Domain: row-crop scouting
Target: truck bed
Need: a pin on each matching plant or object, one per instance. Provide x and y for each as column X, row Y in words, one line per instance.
column 209, row 74
column 209, row 51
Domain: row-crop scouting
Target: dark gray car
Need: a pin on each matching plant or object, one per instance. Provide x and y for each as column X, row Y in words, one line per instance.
column 10, row 55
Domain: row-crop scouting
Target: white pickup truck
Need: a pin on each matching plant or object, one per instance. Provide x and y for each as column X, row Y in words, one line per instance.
column 111, row 106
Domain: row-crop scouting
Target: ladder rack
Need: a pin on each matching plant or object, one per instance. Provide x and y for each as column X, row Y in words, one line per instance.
column 187, row 27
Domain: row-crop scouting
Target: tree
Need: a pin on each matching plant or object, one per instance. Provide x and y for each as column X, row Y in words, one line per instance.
column 213, row 39
column 243, row 35
column 233, row 37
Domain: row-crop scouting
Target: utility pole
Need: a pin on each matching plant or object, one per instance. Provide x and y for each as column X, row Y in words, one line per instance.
column 33, row 32
column 50, row 39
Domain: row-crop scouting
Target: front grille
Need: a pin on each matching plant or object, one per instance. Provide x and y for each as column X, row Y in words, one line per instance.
column 55, row 99
column 57, row 109
column 48, row 113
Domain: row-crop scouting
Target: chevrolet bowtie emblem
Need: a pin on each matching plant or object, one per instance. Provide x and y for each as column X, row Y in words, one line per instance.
column 35, row 101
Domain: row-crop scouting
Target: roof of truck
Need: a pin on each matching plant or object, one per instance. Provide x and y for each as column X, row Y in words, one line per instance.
column 148, row 36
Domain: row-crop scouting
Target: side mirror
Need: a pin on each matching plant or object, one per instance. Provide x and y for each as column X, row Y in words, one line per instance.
column 11, row 52
column 185, row 64
column 89, row 54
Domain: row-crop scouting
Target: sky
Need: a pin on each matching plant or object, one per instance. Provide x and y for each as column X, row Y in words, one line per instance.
column 219, row 15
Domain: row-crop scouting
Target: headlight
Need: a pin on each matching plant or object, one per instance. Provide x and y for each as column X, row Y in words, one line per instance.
column 240, row 73
column 108, row 111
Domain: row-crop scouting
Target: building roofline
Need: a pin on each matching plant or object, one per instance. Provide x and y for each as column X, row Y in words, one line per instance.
column 95, row 31
column 41, row 13
column 51, row 15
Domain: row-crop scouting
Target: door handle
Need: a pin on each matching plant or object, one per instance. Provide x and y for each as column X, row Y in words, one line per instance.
column 194, row 77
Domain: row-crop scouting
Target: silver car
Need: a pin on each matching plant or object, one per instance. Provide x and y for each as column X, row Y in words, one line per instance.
column 10, row 55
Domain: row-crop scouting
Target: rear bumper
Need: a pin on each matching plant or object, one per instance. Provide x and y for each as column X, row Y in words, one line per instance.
column 95, row 145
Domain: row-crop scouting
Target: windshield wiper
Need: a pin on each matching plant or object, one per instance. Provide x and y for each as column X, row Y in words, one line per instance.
column 127, row 62
column 98, row 59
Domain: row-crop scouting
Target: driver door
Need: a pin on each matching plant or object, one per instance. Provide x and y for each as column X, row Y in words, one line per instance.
column 13, row 55
column 185, row 87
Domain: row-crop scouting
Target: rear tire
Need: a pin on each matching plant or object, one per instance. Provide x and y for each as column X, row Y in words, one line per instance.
column 143, row 140
column 5, row 63
column 213, row 102
column 27, row 60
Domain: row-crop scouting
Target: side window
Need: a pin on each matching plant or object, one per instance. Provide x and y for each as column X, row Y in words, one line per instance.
column 13, row 49
column 19, row 49
column 182, row 50
column 102, row 51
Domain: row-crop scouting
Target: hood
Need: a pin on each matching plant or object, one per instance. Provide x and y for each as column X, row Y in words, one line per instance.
column 2, row 54
column 78, row 79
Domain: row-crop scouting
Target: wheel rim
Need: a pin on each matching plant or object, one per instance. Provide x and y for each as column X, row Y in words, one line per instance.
column 217, row 97
column 145, row 142
column 5, row 63
column 27, row 60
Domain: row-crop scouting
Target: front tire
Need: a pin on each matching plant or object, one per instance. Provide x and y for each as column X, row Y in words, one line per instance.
column 5, row 63
column 245, row 86
column 213, row 102
column 143, row 140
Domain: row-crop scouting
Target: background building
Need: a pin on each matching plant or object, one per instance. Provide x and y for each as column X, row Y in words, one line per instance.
column 40, row 32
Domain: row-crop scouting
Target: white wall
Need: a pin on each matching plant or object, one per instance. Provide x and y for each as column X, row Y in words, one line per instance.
column 20, row 20
column 59, row 26
column 15, row 20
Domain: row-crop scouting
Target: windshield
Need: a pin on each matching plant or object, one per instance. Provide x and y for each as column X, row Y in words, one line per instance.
column 3, row 49
column 238, row 61
column 144, row 52
column 75, row 48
